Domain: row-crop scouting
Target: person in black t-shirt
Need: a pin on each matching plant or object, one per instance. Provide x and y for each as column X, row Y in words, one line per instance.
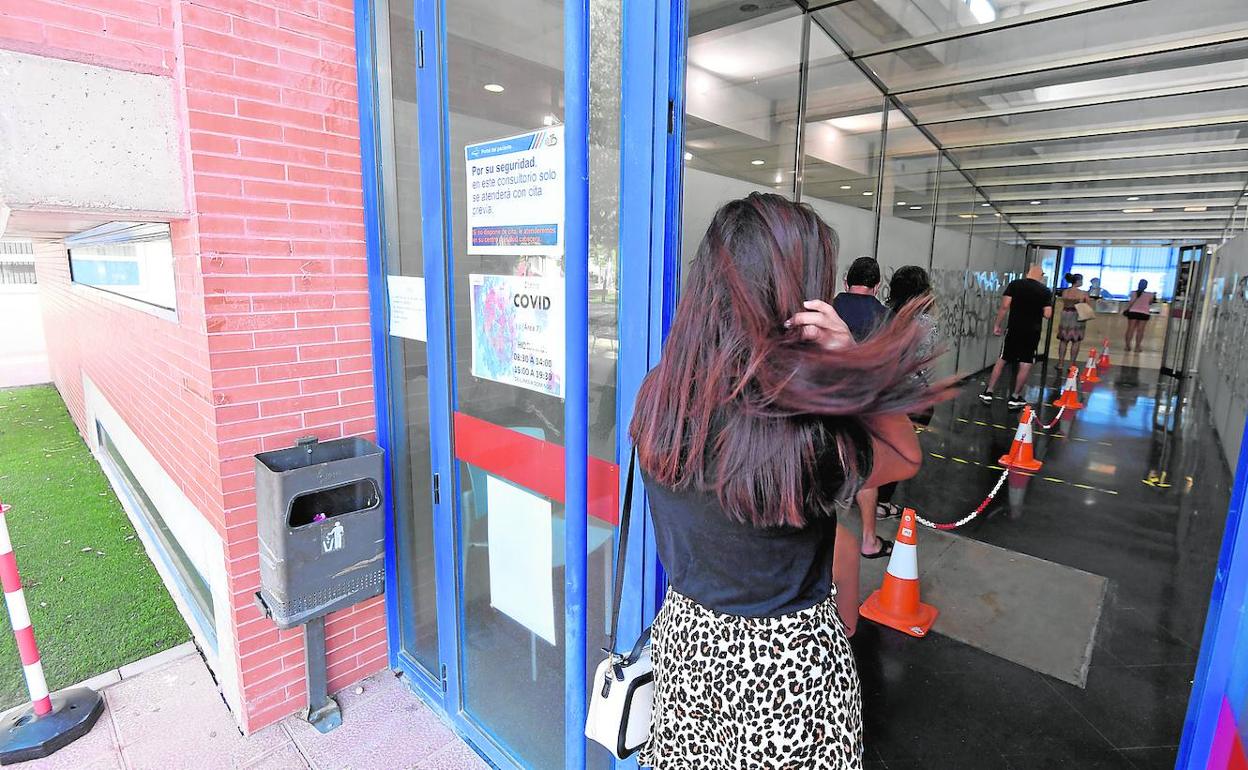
column 863, row 313
column 1028, row 302
column 857, row 305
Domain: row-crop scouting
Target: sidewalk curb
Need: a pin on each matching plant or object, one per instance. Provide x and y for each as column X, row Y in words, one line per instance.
column 138, row 667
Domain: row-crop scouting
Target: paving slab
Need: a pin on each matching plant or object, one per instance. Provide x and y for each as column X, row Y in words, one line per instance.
column 173, row 717
column 392, row 730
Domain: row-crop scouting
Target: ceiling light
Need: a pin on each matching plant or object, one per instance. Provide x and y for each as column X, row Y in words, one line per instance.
column 1195, row 208
column 779, row 177
column 1137, row 211
column 494, row 88
column 868, row 192
column 901, row 203
column 1134, row 198
column 982, row 10
column 1035, row 203
column 985, row 205
column 688, row 156
column 967, row 216
column 757, row 162
column 847, row 187
column 916, row 208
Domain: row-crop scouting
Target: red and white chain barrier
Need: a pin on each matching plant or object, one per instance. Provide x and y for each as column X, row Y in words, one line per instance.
column 967, row 518
column 19, row 618
column 1051, row 423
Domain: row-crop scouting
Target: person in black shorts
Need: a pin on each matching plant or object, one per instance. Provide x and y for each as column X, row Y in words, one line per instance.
column 1029, row 302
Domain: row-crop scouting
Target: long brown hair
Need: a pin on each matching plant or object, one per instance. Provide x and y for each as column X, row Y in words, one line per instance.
column 741, row 406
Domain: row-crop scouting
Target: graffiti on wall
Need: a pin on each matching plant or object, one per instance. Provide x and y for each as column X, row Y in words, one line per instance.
column 1228, row 329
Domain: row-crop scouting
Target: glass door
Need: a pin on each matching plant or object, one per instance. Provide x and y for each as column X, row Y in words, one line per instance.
column 503, row 198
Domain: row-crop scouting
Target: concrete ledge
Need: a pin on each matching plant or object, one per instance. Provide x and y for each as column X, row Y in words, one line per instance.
column 141, row 666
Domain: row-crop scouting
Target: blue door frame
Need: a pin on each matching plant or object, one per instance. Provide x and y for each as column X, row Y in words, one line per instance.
column 652, row 94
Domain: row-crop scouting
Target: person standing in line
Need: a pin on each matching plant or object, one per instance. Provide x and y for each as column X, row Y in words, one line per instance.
column 862, row 312
column 1028, row 302
column 909, row 284
column 759, row 418
column 1138, row 314
column 1070, row 330
column 858, row 306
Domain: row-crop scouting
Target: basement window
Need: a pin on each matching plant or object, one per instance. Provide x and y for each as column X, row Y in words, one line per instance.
column 130, row 259
column 188, row 580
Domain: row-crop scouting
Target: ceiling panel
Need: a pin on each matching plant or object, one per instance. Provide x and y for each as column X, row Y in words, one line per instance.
column 1140, row 29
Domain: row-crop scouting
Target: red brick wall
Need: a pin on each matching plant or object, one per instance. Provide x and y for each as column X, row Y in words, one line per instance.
column 153, row 371
column 273, row 120
column 273, row 338
column 127, row 34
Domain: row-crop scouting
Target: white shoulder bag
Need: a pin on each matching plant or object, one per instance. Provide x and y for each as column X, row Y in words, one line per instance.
column 623, row 692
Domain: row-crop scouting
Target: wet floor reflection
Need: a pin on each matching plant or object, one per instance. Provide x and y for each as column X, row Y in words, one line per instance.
column 1132, row 487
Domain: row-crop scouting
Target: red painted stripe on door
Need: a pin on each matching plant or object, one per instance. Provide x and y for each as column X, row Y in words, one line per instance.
column 533, row 464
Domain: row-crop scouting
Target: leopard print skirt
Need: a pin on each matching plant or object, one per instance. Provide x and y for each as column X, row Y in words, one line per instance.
column 734, row 693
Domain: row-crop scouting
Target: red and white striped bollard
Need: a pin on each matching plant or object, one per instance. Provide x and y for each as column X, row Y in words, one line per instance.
column 19, row 618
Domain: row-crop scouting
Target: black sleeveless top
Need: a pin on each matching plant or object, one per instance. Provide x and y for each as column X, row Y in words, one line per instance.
column 737, row 569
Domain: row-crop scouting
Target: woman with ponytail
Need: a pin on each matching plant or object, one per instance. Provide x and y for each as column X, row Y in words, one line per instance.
column 760, row 418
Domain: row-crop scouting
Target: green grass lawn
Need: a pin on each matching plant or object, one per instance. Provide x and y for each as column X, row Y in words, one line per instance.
column 95, row 599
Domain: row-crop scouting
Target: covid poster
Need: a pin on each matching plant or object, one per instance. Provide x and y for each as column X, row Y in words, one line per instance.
column 517, row 331
column 515, row 194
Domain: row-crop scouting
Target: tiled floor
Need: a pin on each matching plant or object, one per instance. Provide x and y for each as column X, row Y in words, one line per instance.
column 937, row 703
column 173, row 718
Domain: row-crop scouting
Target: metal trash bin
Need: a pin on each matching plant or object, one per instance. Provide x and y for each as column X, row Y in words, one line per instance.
column 322, row 544
column 321, row 526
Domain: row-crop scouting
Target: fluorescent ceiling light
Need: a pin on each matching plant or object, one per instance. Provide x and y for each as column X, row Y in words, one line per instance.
column 1137, row 211
column 982, row 10
column 868, row 192
column 985, row 205
column 757, row 162
column 901, row 203
column 1134, row 198
column 494, row 88
column 847, row 187
column 967, row 216
column 916, row 208
column 688, row 156
column 1035, row 203
column 1195, row 208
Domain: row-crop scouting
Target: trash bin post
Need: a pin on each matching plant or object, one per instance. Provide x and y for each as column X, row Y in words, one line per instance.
column 323, row 712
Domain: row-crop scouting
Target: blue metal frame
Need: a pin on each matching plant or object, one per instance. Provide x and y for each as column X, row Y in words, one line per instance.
column 576, row 375
column 1219, row 644
column 375, row 244
column 651, row 167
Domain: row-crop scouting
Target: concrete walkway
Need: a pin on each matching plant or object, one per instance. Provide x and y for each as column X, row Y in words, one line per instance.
column 171, row 717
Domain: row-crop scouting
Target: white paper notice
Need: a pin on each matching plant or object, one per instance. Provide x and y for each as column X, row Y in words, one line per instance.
column 407, row 307
column 515, row 194
column 521, row 558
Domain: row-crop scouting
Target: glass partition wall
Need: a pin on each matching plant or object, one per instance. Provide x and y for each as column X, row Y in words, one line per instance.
column 773, row 103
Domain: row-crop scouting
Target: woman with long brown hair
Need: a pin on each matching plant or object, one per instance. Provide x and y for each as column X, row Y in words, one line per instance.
column 763, row 415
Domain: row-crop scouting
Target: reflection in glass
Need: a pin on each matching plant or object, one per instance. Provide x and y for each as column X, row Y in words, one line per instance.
column 505, row 77
column 741, row 97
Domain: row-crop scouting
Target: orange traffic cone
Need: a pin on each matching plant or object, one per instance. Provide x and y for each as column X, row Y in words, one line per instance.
column 1103, row 364
column 1020, row 455
column 1089, row 373
column 1070, row 391
column 896, row 604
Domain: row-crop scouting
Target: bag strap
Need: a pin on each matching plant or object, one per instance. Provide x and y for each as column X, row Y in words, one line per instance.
column 621, row 550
